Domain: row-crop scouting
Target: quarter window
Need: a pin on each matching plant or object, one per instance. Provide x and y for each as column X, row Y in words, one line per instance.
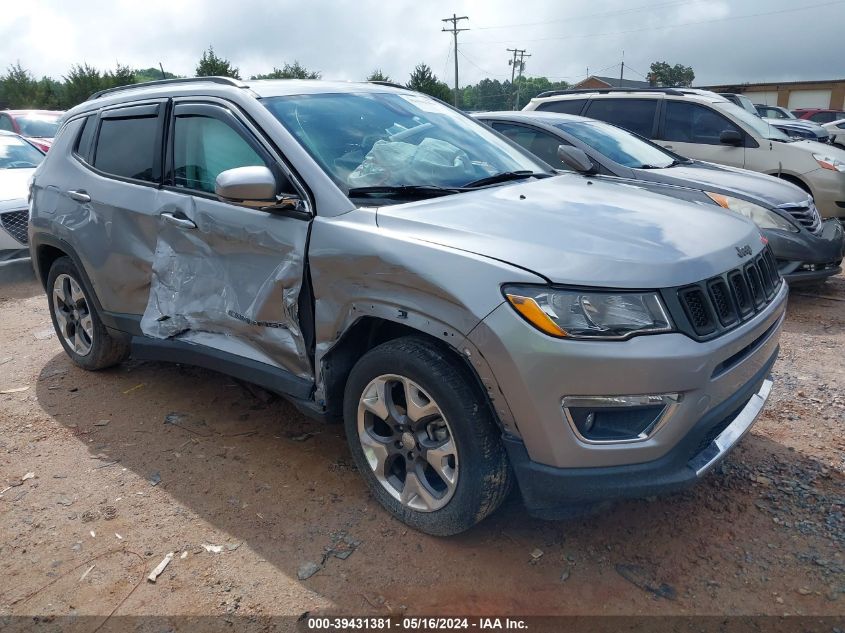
column 127, row 147
column 86, row 136
column 6, row 123
column 635, row 115
column 203, row 147
column 693, row 123
column 564, row 106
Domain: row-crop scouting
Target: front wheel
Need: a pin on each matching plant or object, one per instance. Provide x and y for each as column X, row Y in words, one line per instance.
column 424, row 438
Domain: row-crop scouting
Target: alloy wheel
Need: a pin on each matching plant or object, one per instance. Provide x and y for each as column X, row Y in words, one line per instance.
column 407, row 442
column 73, row 315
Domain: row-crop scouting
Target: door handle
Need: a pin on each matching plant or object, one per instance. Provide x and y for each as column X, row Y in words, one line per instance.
column 668, row 147
column 182, row 223
column 79, row 196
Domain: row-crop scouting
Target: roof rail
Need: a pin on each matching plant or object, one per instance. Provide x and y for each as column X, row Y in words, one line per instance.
column 390, row 84
column 668, row 91
column 166, row 82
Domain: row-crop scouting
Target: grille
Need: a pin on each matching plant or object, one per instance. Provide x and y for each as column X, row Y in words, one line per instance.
column 719, row 304
column 15, row 222
column 807, row 215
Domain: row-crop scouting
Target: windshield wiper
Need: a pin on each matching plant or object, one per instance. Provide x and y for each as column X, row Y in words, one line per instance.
column 410, row 191
column 504, row 176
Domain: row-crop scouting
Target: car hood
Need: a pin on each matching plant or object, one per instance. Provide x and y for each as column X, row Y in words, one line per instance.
column 729, row 181
column 798, row 124
column 13, row 183
column 576, row 230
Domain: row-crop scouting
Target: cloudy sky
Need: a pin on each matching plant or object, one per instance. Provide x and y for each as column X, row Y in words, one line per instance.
column 725, row 41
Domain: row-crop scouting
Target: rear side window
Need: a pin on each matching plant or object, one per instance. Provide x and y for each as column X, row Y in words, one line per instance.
column 205, row 146
column 635, row 115
column 6, row 123
column 692, row 123
column 86, row 136
column 824, row 117
column 566, row 106
column 127, row 147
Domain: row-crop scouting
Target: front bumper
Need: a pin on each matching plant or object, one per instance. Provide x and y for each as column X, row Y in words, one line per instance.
column 551, row 493
column 828, row 189
column 804, row 257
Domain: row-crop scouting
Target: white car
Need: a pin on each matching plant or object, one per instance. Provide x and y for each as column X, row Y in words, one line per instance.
column 702, row 125
column 836, row 129
column 18, row 160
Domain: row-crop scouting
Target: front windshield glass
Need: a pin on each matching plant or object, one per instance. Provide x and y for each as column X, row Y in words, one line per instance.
column 18, row 154
column 618, row 145
column 753, row 121
column 38, row 125
column 395, row 140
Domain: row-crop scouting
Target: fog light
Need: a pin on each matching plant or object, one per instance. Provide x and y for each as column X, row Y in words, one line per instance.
column 609, row 419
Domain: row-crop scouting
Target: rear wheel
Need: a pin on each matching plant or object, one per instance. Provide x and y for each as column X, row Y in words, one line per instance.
column 78, row 326
column 423, row 437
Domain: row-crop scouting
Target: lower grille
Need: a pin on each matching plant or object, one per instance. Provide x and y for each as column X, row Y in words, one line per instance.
column 717, row 305
column 807, row 215
column 16, row 224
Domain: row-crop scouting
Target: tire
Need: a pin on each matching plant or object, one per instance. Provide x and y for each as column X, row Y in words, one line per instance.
column 79, row 328
column 447, row 446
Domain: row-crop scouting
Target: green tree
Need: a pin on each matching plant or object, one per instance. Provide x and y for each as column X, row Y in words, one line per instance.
column 152, row 74
column 290, row 71
column 530, row 87
column 664, row 75
column 50, row 95
column 377, row 75
column 81, row 82
column 18, row 88
column 425, row 81
column 210, row 65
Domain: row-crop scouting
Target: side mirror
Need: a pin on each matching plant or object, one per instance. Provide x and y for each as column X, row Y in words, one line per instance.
column 252, row 186
column 730, row 137
column 576, row 159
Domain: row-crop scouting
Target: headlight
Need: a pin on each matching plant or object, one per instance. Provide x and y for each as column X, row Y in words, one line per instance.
column 829, row 162
column 761, row 216
column 589, row 314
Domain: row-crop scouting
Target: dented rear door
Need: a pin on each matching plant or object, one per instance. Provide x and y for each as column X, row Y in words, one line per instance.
column 225, row 276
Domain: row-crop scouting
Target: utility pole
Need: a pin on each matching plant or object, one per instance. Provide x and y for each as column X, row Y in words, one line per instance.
column 454, row 31
column 517, row 65
column 622, row 70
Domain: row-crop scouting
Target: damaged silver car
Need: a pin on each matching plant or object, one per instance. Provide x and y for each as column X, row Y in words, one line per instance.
column 474, row 318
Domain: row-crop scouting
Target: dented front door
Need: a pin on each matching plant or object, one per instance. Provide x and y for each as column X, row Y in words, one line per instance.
column 223, row 275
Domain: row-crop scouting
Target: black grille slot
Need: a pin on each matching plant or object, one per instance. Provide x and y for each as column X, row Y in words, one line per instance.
column 15, row 223
column 742, row 295
column 755, row 285
column 763, row 268
column 698, row 310
column 721, row 298
column 773, row 265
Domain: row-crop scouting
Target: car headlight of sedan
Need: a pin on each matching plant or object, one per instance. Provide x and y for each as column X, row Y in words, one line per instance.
column 829, row 162
column 761, row 216
column 588, row 314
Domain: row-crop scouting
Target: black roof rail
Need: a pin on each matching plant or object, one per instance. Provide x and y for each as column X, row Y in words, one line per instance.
column 389, row 84
column 166, row 82
column 668, row 91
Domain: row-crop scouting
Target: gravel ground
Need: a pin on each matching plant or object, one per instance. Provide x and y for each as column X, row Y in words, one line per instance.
column 106, row 473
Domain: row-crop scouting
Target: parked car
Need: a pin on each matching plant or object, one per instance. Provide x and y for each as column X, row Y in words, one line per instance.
column 789, row 124
column 836, row 129
column 38, row 126
column 376, row 255
column 704, row 126
column 741, row 100
column 806, row 249
column 18, row 160
column 819, row 115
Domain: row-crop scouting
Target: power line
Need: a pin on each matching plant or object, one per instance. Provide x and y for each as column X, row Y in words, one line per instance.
column 665, row 26
column 514, row 64
column 454, row 31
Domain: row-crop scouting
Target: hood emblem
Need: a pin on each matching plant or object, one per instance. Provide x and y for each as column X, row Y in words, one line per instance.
column 744, row 250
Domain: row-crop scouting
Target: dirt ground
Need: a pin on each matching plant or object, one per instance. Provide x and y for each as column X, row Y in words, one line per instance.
column 106, row 473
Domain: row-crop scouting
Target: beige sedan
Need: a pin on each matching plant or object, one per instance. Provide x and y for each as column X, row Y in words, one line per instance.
column 837, row 132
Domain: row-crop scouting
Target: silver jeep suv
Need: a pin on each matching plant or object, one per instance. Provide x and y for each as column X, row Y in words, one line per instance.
column 375, row 255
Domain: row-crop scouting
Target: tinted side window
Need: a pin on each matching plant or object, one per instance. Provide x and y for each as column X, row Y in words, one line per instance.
column 567, row 106
column 635, row 115
column 203, row 147
column 823, row 117
column 538, row 142
column 86, row 135
column 6, row 123
column 693, row 123
column 127, row 147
